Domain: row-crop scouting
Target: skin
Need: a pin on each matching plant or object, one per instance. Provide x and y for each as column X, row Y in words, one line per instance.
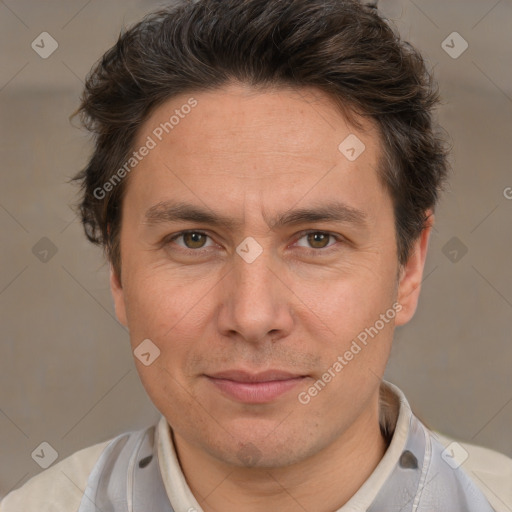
column 250, row 155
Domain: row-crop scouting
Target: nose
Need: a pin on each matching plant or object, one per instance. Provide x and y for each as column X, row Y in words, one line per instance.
column 256, row 304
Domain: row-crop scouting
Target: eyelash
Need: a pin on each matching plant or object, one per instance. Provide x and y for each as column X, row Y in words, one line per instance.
column 315, row 252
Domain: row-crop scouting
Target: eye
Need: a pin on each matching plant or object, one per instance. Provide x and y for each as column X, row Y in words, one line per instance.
column 191, row 239
column 317, row 239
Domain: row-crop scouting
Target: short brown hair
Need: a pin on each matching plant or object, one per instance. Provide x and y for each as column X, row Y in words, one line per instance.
column 341, row 47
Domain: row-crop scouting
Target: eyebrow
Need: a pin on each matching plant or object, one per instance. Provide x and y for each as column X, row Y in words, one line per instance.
column 170, row 211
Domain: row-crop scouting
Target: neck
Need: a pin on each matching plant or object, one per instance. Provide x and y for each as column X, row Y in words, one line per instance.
column 334, row 474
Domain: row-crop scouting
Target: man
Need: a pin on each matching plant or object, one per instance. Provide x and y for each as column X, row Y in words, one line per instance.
column 263, row 182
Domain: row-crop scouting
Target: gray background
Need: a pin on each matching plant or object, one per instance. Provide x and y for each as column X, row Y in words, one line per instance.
column 67, row 375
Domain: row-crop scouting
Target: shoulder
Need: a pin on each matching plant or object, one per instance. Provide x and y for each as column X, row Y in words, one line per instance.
column 490, row 470
column 59, row 488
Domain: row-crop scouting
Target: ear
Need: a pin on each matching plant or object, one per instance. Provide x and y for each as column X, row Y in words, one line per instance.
column 411, row 275
column 118, row 295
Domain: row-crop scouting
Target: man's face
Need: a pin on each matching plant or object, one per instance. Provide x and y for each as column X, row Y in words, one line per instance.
column 271, row 291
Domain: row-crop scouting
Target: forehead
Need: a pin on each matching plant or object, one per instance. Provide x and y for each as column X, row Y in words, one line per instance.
column 253, row 115
column 236, row 142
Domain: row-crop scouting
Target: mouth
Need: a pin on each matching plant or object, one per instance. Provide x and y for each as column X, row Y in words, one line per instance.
column 255, row 388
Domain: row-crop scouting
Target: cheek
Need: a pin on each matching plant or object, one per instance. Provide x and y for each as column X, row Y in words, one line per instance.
column 344, row 322
column 345, row 303
column 159, row 305
column 176, row 317
column 172, row 317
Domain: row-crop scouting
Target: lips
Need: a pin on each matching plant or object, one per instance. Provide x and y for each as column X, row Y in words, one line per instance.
column 256, row 388
column 267, row 376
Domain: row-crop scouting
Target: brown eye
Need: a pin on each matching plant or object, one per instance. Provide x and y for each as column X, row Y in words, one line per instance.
column 318, row 240
column 194, row 240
